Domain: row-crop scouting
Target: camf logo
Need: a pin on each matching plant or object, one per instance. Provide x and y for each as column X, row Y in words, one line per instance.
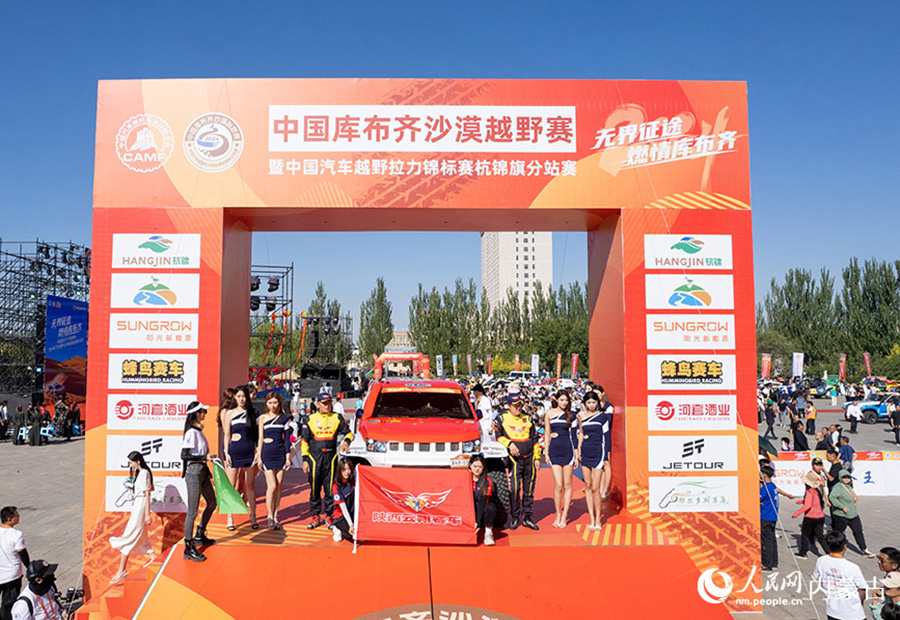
column 692, row 447
column 149, row 447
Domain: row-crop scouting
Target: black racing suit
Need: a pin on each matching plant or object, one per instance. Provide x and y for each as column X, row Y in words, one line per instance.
column 520, row 430
column 319, row 447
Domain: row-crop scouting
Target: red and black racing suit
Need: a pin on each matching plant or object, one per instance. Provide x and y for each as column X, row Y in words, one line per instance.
column 520, row 430
column 319, row 448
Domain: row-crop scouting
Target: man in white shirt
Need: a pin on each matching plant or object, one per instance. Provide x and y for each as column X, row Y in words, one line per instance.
column 840, row 580
column 854, row 412
column 38, row 600
column 13, row 558
column 484, row 408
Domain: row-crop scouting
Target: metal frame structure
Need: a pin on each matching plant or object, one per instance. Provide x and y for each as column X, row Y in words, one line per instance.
column 278, row 301
column 29, row 271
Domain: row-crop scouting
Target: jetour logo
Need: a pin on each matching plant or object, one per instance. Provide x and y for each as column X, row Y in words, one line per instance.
column 156, row 244
column 690, row 295
column 709, row 591
column 688, row 245
column 155, row 294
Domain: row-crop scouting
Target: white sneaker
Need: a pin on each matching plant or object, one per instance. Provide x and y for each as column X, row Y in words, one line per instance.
column 488, row 537
column 777, row 535
column 336, row 535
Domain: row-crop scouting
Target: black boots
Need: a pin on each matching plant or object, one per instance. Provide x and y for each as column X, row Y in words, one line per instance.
column 191, row 552
column 200, row 538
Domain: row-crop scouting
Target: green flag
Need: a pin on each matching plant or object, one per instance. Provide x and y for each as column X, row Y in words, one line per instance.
column 229, row 500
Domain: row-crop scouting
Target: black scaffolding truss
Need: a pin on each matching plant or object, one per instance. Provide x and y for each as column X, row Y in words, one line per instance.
column 29, row 272
column 273, row 306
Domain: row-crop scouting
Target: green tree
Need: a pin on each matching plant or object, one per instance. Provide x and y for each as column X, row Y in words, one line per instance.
column 869, row 307
column 376, row 327
column 803, row 310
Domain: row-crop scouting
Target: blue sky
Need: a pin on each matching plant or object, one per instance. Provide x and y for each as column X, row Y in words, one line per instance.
column 822, row 79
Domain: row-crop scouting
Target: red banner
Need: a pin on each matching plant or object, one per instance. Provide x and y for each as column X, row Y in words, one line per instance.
column 489, row 365
column 416, row 505
column 574, row 364
column 558, row 365
column 766, row 365
column 868, row 359
column 517, row 363
column 842, row 372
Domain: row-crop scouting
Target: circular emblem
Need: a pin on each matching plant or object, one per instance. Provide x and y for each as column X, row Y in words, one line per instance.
column 145, row 142
column 665, row 410
column 213, row 142
column 124, row 409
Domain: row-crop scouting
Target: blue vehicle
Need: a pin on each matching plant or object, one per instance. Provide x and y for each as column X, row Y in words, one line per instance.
column 875, row 407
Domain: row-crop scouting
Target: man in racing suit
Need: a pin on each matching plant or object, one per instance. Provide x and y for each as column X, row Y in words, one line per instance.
column 517, row 432
column 319, row 450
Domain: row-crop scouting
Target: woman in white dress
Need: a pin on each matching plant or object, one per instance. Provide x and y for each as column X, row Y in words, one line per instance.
column 134, row 539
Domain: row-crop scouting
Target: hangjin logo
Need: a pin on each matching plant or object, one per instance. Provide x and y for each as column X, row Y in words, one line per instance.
column 688, row 245
column 709, row 591
column 417, row 502
column 156, row 244
column 689, row 295
column 155, row 294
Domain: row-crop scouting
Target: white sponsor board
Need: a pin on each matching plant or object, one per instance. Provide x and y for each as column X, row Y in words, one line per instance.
column 693, row 493
column 153, row 371
column 693, row 453
column 421, row 129
column 691, row 371
column 169, row 495
column 156, row 251
column 155, row 290
column 145, row 412
column 690, row 331
column 683, row 252
column 673, row 412
column 689, row 292
column 161, row 452
column 153, row 331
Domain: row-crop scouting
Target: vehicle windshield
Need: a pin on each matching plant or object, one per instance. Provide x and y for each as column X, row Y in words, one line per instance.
column 451, row 405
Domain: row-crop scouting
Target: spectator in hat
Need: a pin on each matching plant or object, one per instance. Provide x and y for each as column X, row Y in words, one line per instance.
column 813, row 510
column 844, row 512
column 891, row 593
column 38, row 599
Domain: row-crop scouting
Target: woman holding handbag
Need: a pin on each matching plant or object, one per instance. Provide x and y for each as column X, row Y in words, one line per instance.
column 134, row 539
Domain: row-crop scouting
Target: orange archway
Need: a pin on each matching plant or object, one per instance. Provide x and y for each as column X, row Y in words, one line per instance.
column 656, row 172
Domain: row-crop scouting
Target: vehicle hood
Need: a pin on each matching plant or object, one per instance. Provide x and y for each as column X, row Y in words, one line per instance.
column 421, row 430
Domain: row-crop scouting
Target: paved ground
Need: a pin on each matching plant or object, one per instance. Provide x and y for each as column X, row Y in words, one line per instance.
column 46, row 484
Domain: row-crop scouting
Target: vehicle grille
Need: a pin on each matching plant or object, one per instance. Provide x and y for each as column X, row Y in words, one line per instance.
column 395, row 446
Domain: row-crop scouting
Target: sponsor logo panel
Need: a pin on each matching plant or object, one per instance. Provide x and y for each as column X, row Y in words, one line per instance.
column 155, row 290
column 691, row 413
column 691, row 371
column 169, row 495
column 144, row 143
column 690, row 331
column 174, row 251
column 687, row 252
column 693, row 453
column 213, row 142
column 694, row 292
column 153, row 331
column 693, row 494
column 163, row 371
column 162, row 453
column 140, row 412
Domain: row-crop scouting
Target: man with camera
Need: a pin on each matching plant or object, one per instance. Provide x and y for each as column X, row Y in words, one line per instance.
column 39, row 600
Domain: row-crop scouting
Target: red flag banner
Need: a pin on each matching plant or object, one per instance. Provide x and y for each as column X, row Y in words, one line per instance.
column 489, row 365
column 842, row 373
column 558, row 365
column 574, row 364
column 517, row 363
column 868, row 359
column 766, row 365
column 416, row 505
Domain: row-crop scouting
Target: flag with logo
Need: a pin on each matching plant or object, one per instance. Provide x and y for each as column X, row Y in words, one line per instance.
column 413, row 505
column 574, row 365
column 558, row 365
column 842, row 372
column 868, row 359
column 516, row 367
column 228, row 499
column 455, row 365
column 766, row 365
column 469, row 363
column 489, row 365
column 797, row 366
column 439, row 365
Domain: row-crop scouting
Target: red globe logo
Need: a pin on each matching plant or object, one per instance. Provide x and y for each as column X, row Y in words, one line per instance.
column 124, row 409
column 665, row 410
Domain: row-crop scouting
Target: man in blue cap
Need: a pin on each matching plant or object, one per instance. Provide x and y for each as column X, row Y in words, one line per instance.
column 517, row 432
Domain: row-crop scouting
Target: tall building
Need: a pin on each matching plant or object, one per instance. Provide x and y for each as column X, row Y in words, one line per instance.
column 516, row 260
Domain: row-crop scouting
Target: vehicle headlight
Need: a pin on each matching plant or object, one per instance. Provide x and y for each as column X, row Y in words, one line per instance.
column 471, row 446
column 376, row 446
